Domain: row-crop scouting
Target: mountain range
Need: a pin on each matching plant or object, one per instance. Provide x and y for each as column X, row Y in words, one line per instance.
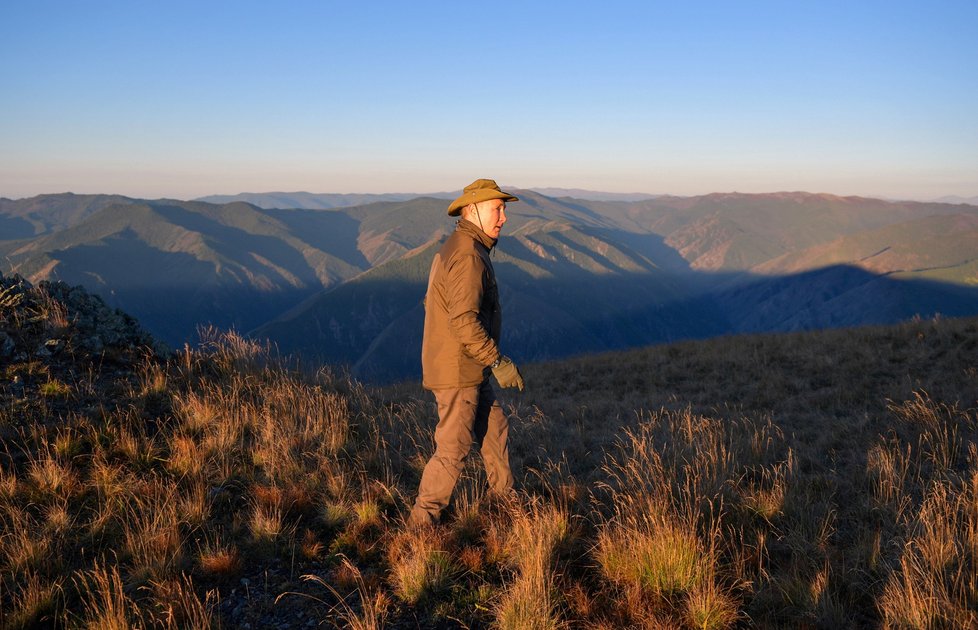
column 327, row 201
column 345, row 283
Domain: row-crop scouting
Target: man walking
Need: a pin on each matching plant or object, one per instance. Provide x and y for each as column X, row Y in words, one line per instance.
column 461, row 347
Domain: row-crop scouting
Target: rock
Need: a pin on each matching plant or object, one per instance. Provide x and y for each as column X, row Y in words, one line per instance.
column 54, row 346
column 93, row 345
column 7, row 345
column 58, row 323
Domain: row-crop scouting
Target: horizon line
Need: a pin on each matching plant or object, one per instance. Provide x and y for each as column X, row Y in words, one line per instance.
column 543, row 190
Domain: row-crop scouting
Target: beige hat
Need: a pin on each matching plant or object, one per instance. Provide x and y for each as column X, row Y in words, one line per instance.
column 479, row 190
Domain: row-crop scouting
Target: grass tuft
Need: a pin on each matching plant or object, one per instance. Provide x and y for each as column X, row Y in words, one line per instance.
column 420, row 566
column 710, row 608
column 37, row 605
column 219, row 560
column 54, row 389
column 663, row 560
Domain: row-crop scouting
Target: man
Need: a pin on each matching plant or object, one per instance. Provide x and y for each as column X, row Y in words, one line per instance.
column 461, row 347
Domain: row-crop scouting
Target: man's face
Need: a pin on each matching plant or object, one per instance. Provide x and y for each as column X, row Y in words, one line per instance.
column 492, row 215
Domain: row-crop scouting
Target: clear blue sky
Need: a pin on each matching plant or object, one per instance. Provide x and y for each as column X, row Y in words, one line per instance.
column 183, row 99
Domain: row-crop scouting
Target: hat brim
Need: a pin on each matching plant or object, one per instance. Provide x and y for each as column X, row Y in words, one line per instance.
column 475, row 196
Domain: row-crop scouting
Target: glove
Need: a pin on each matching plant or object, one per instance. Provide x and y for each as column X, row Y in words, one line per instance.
column 507, row 374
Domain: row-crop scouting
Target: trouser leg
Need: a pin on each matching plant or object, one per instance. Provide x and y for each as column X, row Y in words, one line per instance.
column 492, row 435
column 453, row 440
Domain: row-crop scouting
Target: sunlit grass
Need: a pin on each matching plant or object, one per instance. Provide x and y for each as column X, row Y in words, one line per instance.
column 822, row 480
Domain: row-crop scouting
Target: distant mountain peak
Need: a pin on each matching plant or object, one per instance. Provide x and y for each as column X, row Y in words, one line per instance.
column 593, row 195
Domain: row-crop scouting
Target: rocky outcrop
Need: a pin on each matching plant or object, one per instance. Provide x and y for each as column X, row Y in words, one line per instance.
column 53, row 320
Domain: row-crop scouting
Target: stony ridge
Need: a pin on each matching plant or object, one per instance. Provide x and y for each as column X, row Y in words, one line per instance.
column 64, row 352
column 53, row 318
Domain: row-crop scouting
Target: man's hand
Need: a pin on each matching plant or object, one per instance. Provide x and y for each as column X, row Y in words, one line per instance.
column 507, row 374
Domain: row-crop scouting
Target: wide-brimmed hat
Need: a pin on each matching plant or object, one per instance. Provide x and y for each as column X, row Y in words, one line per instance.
column 479, row 190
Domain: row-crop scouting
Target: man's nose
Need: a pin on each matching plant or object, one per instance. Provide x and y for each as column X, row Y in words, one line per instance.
column 502, row 216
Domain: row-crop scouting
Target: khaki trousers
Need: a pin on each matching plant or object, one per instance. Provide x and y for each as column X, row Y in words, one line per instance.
column 466, row 416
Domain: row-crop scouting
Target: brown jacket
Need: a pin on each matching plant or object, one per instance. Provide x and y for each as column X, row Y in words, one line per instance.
column 462, row 315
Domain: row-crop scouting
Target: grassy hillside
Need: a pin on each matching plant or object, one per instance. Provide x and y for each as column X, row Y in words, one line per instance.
column 947, row 243
column 733, row 231
column 179, row 265
column 27, row 218
column 820, row 479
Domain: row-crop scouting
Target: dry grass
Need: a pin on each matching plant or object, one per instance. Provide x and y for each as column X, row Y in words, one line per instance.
column 177, row 604
column 369, row 613
column 218, row 559
column 37, row 604
column 105, row 605
column 25, row 549
column 55, row 388
column 421, row 566
column 664, row 560
column 710, row 607
column 819, row 480
column 533, row 543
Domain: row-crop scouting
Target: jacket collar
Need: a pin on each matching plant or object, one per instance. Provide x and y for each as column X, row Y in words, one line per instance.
column 474, row 231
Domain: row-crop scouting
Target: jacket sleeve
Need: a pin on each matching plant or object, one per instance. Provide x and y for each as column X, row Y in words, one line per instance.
column 465, row 294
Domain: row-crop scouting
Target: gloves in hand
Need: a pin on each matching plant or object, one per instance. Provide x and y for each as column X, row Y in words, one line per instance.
column 507, row 374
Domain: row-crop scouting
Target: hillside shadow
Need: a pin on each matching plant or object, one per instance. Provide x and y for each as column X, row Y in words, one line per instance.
column 327, row 230
column 566, row 202
column 15, row 228
column 651, row 246
column 645, row 251
column 164, row 290
column 839, row 296
column 376, row 330
column 235, row 244
column 602, row 259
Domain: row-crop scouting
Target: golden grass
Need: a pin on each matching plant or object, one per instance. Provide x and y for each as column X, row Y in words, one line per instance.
column 52, row 478
column 151, row 531
column 827, row 479
column 105, row 605
column 664, row 560
column 9, row 485
column 219, row 559
column 335, row 514
column 177, row 604
column 55, row 389
column 421, row 567
column 25, row 548
column 534, row 540
column 267, row 523
column 709, row 607
column 37, row 604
